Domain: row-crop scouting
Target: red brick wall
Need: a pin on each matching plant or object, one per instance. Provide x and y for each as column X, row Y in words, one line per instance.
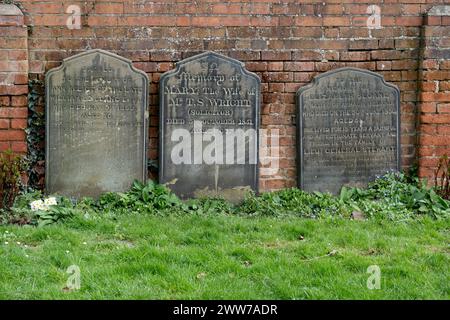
column 435, row 91
column 286, row 42
column 13, row 80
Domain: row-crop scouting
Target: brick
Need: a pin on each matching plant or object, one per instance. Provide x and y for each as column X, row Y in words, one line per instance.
column 363, row 44
column 275, row 66
column 5, row 101
column 9, row 112
column 299, row 66
column 277, row 76
column 443, row 108
column 256, row 8
column 428, row 129
column 332, row 32
column 256, row 66
column 406, row 43
column 384, row 65
column 307, row 21
column 19, row 101
column 430, row 64
column 19, row 146
column 276, row 87
column 429, row 86
column 428, row 162
column 444, row 85
column 333, row 9
column 146, row 66
column 444, row 65
column 404, row 65
column 409, row 21
column 354, row 56
column 109, row 8
column 435, row 96
column 13, row 90
column 307, row 55
column 336, row 21
column 18, row 123
column 226, row 8
column 103, row 20
column 18, row 55
column 274, row 184
column 436, row 75
column 12, row 135
column 411, row 9
column 4, row 123
column 276, row 55
column 443, row 130
column 49, row 20
column 434, row 140
column 435, row 118
column 4, row 146
column 429, row 107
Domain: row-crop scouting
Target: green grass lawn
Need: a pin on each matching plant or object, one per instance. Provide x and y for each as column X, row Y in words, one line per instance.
column 139, row 256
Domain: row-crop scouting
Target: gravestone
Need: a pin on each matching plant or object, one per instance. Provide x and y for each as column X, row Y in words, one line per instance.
column 348, row 129
column 209, row 121
column 96, row 125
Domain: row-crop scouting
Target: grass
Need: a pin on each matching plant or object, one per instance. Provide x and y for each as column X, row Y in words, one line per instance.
column 138, row 256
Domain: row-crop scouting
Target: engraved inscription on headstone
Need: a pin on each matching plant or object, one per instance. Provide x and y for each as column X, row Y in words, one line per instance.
column 96, row 125
column 348, row 129
column 209, row 121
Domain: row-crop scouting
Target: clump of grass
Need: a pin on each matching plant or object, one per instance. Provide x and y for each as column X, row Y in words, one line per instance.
column 295, row 202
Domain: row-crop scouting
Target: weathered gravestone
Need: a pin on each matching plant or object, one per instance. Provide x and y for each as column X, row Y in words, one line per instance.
column 348, row 129
column 209, row 120
column 96, row 125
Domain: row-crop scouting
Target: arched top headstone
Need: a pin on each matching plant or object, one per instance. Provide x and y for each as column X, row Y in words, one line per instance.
column 348, row 129
column 95, row 56
column 96, row 125
column 196, row 61
column 209, row 91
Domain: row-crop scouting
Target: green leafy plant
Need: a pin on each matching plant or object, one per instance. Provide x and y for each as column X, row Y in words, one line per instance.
column 35, row 134
column 294, row 201
column 148, row 197
column 11, row 168
column 394, row 196
column 442, row 177
column 54, row 214
column 30, row 208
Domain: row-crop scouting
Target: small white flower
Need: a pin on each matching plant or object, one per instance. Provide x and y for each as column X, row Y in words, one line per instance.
column 36, row 205
column 6, row 242
column 6, row 231
column 27, row 256
column 67, row 251
column 51, row 201
column 18, row 243
column 84, row 242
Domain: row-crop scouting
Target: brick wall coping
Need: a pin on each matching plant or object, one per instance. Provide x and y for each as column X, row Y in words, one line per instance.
column 10, row 10
column 439, row 11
